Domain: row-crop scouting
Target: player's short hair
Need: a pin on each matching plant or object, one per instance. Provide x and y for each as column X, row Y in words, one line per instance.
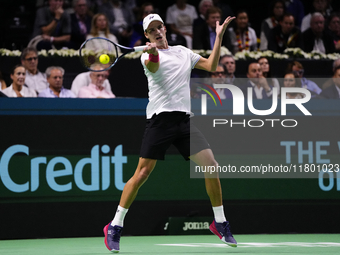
column 49, row 70
column 26, row 51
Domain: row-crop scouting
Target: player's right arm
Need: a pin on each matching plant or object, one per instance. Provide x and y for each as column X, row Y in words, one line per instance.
column 150, row 63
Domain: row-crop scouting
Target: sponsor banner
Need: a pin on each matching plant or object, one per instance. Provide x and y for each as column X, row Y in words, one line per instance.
column 90, row 157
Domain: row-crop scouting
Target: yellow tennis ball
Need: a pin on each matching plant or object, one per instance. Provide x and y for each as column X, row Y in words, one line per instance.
column 104, row 59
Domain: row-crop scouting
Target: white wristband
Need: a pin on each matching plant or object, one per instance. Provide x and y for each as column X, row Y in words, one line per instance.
column 52, row 39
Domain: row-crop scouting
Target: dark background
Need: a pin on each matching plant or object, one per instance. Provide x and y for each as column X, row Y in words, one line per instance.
column 17, row 36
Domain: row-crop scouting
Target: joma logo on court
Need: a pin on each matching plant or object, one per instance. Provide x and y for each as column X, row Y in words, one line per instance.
column 195, row 225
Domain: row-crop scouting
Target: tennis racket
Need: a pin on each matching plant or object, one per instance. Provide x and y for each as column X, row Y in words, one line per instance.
column 99, row 54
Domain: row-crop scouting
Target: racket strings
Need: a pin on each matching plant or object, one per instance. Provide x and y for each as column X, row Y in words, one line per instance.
column 92, row 50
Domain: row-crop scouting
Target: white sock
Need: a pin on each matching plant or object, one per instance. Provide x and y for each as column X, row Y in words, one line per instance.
column 219, row 214
column 119, row 216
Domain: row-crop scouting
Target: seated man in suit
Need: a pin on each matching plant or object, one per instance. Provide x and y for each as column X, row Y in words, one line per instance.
column 333, row 92
column 203, row 6
column 220, row 77
column 204, row 35
column 256, row 80
column 230, row 64
column 298, row 70
column 285, row 35
column 315, row 38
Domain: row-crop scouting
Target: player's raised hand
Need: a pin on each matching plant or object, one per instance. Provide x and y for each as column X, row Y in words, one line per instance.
column 220, row 29
column 151, row 48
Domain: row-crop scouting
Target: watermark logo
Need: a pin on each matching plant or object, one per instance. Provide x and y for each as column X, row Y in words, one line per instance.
column 204, row 97
column 239, row 98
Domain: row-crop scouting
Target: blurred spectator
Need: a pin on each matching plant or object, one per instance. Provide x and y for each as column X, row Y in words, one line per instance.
column 261, row 89
column 18, row 87
column 334, row 29
column 205, row 35
column 180, row 17
column 2, row 83
column 84, row 79
column 35, row 79
column 131, row 5
column 276, row 11
column 96, row 89
column 99, row 27
column 333, row 92
column 226, row 10
column 80, row 23
column 203, row 6
column 229, row 62
column 138, row 37
column 265, row 67
column 316, row 38
column 93, row 6
column 219, row 77
column 52, row 27
column 285, row 35
column 297, row 69
column 322, row 6
column 242, row 36
column 55, row 75
column 329, row 82
column 120, row 20
column 289, row 81
column 296, row 8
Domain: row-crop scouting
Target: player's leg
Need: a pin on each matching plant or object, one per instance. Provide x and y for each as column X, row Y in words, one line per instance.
column 144, row 169
column 212, row 182
column 114, row 229
column 220, row 225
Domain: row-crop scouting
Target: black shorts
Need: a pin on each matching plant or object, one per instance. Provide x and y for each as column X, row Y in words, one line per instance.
column 168, row 128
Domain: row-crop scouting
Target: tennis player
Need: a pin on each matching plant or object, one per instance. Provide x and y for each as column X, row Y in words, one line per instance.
column 168, row 69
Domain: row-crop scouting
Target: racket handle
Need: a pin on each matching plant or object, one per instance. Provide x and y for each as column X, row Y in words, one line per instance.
column 140, row 48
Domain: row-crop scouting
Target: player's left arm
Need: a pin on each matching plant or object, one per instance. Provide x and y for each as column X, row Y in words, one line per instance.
column 210, row 64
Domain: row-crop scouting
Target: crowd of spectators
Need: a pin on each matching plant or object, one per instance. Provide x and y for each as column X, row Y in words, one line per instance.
column 67, row 23
column 263, row 85
column 59, row 25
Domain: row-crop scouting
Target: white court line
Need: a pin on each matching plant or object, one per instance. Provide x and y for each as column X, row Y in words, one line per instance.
column 257, row 245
